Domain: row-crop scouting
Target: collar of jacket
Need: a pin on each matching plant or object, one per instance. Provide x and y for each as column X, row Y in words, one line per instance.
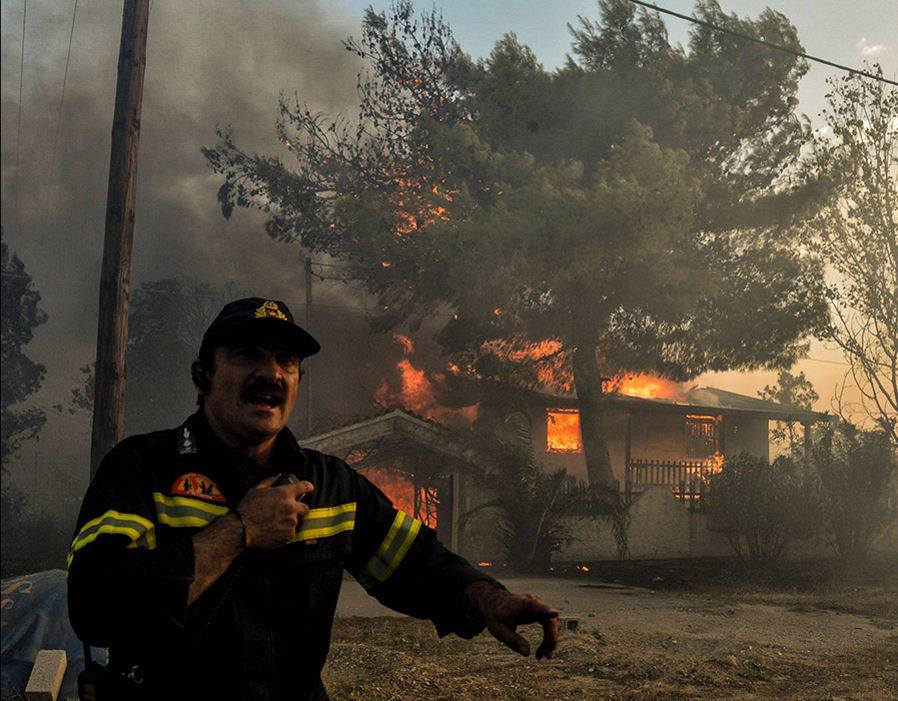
column 195, row 436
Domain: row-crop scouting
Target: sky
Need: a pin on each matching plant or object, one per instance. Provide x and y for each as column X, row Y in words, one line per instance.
column 213, row 63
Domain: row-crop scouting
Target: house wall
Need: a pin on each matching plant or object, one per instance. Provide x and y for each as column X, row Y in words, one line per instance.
column 660, row 528
column 747, row 434
column 480, row 535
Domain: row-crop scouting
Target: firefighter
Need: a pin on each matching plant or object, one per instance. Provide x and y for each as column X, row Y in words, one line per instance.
column 208, row 558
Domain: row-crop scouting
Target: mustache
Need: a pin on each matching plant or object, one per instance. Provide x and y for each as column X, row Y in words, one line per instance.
column 267, row 386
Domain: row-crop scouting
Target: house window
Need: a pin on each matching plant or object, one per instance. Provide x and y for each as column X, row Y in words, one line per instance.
column 563, row 431
column 702, row 437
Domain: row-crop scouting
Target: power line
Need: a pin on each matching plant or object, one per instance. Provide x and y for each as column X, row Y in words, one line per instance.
column 830, row 362
column 778, row 47
column 19, row 116
column 65, row 76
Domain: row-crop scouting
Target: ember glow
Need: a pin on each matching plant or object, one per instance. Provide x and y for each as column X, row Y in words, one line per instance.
column 563, row 431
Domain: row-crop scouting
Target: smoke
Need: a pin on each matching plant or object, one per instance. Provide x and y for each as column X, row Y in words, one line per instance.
column 209, row 64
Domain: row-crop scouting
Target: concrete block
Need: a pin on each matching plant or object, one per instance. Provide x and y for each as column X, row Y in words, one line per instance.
column 46, row 676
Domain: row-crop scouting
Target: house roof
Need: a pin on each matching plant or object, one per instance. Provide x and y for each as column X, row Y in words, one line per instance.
column 392, row 421
column 710, row 400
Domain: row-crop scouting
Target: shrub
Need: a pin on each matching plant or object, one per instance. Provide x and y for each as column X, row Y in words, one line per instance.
column 529, row 501
column 762, row 507
column 855, row 469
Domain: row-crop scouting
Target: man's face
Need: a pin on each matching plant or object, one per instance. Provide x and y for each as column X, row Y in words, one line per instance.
column 252, row 389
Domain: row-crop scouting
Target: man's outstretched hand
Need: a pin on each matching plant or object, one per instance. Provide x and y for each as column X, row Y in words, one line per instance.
column 503, row 612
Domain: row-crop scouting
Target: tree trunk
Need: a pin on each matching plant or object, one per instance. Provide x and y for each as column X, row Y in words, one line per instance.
column 588, row 383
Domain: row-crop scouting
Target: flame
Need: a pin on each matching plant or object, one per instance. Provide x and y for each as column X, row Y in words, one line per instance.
column 547, row 357
column 563, row 431
column 647, row 387
column 484, row 564
column 417, row 203
column 583, row 568
column 416, row 391
column 407, row 344
column 401, row 491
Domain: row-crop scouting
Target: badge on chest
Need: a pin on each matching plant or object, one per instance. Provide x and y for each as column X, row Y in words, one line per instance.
column 197, row 486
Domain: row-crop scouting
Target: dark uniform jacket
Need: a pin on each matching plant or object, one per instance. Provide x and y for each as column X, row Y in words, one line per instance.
column 262, row 631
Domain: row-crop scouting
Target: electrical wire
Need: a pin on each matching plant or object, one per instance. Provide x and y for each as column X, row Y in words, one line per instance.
column 65, row 76
column 19, row 115
column 771, row 45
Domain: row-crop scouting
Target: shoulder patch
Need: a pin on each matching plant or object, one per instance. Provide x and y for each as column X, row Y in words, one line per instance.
column 193, row 484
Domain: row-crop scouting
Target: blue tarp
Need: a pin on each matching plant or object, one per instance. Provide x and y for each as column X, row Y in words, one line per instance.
column 35, row 617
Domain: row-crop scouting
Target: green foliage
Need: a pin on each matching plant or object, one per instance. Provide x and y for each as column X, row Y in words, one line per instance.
column 82, row 399
column 856, row 469
column 635, row 201
column 762, row 507
column 530, row 502
column 791, row 390
column 856, row 233
column 21, row 376
column 165, row 327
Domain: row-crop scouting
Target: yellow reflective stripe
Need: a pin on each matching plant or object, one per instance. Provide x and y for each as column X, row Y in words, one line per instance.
column 391, row 534
column 392, row 551
column 184, row 512
column 313, row 533
column 140, row 530
column 326, row 521
column 174, row 502
column 185, row 521
column 112, row 514
column 328, row 511
column 403, row 549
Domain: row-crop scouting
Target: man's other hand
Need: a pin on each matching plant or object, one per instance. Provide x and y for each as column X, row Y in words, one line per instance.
column 503, row 612
column 271, row 513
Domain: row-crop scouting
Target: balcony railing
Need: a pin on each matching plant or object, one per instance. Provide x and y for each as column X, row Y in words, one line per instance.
column 688, row 479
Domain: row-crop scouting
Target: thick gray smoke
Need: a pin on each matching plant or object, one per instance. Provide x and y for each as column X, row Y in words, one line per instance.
column 208, row 64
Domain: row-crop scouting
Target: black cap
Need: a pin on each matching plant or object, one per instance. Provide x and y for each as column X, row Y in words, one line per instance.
column 255, row 317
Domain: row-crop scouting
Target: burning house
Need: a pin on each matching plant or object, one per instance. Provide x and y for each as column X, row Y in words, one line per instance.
column 658, row 434
column 664, row 443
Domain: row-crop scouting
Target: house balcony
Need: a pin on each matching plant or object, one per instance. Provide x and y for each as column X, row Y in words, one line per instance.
column 689, row 480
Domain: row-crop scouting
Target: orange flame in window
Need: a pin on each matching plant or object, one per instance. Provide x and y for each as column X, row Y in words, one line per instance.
column 563, row 431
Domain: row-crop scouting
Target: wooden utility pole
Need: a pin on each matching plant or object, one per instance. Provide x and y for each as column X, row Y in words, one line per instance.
column 306, row 377
column 112, row 332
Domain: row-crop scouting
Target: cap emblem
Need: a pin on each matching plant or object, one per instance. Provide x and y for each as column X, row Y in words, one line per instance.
column 270, row 309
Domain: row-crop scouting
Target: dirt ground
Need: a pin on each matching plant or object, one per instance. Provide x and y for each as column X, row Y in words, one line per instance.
column 814, row 632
